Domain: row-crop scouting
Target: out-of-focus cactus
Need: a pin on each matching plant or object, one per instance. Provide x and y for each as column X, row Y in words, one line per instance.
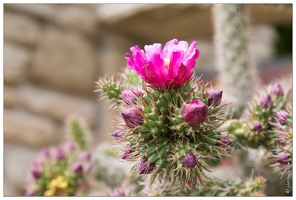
column 237, row 73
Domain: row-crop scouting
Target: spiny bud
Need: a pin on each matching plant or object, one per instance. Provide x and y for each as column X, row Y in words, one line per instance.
column 195, row 112
column 132, row 117
column 257, row 126
column 85, row 156
column 77, row 168
column 189, row 160
column 118, row 192
column 215, row 97
column 129, row 95
column 145, row 167
column 36, row 173
column 70, row 146
column 127, row 151
column 282, row 116
column 283, row 158
column 46, row 152
column 60, row 154
column 118, row 134
column 266, row 102
column 223, row 142
column 276, row 90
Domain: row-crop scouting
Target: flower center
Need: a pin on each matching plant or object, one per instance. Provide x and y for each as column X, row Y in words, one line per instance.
column 166, row 64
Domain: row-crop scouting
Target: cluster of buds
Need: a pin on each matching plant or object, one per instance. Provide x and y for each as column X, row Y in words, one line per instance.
column 257, row 127
column 171, row 124
column 60, row 171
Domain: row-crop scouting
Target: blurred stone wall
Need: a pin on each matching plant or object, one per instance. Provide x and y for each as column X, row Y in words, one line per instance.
column 54, row 54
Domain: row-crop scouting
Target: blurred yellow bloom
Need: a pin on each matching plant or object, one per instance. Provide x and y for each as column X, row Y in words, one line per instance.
column 57, row 187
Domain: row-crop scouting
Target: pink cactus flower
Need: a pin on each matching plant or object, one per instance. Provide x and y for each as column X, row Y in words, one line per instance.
column 167, row 68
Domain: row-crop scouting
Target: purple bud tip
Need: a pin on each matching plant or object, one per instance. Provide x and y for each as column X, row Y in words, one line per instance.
column 266, row 102
column 130, row 95
column 118, row 193
column 77, row 168
column 145, row 167
column 191, row 183
column 257, row 127
column 214, row 97
column 118, row 134
column 60, row 154
column 132, row 117
column 29, row 193
column 36, row 173
column 46, row 152
column 189, row 160
column 276, row 90
column 126, row 153
column 223, row 142
column 86, row 156
column 70, row 145
column 195, row 112
column 282, row 116
column 283, row 158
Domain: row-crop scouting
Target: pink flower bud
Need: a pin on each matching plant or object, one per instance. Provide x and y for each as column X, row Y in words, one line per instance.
column 118, row 193
column 46, row 152
column 118, row 134
column 85, row 156
column 145, row 167
column 60, row 154
column 223, row 142
column 29, row 193
column 77, row 168
column 132, row 117
column 214, row 97
column 189, row 160
column 195, row 112
column 130, row 95
column 257, row 127
column 276, row 90
column 70, row 146
column 126, row 153
column 266, row 102
column 36, row 173
column 282, row 116
column 191, row 183
column 283, row 158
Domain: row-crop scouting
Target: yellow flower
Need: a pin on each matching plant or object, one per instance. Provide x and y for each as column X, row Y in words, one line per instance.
column 57, row 187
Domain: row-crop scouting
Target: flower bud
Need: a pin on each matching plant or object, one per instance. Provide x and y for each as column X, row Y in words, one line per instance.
column 70, row 146
column 127, row 151
column 195, row 112
column 77, row 168
column 46, row 152
column 144, row 167
column 214, row 97
column 132, row 117
column 282, row 116
column 30, row 193
column 223, row 142
column 266, row 102
column 130, row 95
column 118, row 134
column 189, row 160
column 85, row 156
column 60, row 154
column 283, row 158
column 36, row 173
column 118, row 193
column 191, row 183
column 257, row 127
column 276, row 90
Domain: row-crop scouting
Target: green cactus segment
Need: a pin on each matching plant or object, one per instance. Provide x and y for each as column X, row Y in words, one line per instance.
column 78, row 133
column 165, row 138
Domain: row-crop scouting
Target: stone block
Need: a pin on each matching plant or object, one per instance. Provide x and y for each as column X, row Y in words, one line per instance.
column 16, row 59
column 77, row 17
column 24, row 128
column 10, row 96
column 57, row 105
column 65, row 61
column 17, row 163
column 21, row 28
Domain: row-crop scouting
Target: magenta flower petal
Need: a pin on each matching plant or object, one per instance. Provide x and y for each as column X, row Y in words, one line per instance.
column 167, row 68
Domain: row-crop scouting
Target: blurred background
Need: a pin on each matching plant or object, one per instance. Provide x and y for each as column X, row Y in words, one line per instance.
column 54, row 54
